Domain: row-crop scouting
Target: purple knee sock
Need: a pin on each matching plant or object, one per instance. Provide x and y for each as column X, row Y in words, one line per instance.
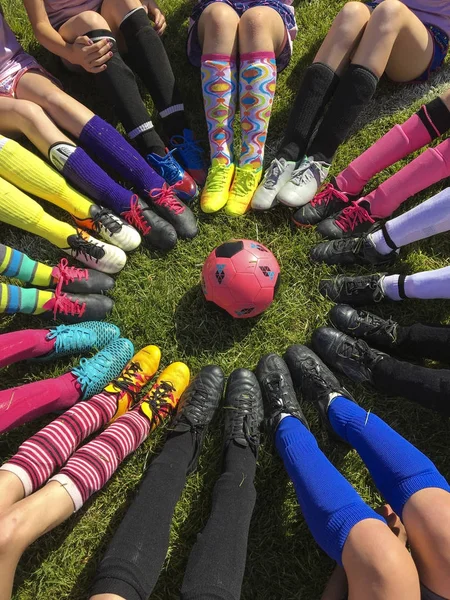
column 427, row 285
column 105, row 142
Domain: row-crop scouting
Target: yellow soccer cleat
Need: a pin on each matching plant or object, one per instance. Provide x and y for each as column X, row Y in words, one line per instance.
column 217, row 187
column 245, row 184
column 136, row 374
column 162, row 399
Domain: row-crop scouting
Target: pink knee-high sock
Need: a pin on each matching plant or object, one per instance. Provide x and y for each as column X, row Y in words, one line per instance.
column 48, row 450
column 94, row 464
column 23, row 345
column 27, row 402
column 428, row 168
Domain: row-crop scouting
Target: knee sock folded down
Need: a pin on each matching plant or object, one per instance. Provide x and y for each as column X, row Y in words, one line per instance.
column 149, row 58
column 398, row 469
column 427, row 124
column 330, row 505
column 24, row 345
column 426, row 285
column 219, row 84
column 257, row 84
column 318, row 86
column 17, row 264
column 49, row 449
column 120, row 88
column 18, row 209
column 28, row 301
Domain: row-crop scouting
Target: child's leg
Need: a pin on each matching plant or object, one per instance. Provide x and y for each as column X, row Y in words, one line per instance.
column 17, row 264
column 24, row 345
column 28, row 301
column 425, row 285
column 342, row 524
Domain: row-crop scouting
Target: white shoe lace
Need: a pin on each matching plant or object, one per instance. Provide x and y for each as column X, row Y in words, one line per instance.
column 300, row 174
column 273, row 174
column 308, row 170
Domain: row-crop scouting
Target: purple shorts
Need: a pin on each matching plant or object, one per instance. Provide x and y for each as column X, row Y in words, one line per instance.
column 20, row 64
column 286, row 12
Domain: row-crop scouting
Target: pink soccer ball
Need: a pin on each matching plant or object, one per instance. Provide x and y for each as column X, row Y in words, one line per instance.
column 241, row 276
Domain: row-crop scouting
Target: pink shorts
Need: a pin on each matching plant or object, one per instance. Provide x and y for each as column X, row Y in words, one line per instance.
column 15, row 69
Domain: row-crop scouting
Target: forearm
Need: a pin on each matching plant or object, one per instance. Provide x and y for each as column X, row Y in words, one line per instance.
column 51, row 40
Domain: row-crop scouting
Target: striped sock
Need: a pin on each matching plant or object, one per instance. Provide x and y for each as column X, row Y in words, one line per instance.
column 40, row 456
column 95, row 463
column 16, row 264
column 29, row 301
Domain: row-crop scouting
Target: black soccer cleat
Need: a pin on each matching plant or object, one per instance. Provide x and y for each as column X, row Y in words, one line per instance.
column 352, row 221
column 316, row 382
column 197, row 406
column 155, row 231
column 364, row 325
column 356, row 291
column 278, row 391
column 351, row 251
column 244, row 410
column 77, row 308
column 167, row 205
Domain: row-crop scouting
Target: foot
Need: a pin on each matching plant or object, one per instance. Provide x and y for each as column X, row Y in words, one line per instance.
column 353, row 358
column 317, row 383
column 304, row 183
column 155, row 231
column 171, row 209
column 244, row 410
column 78, row 339
column 325, row 204
column 197, row 407
column 162, row 399
column 277, row 391
column 364, row 325
column 99, row 255
column 93, row 374
column 110, row 228
column 217, row 187
column 352, row 221
column 78, row 308
column 351, row 251
column 79, row 281
column 174, row 175
column 138, row 372
column 356, row 291
column 275, row 177
column 191, row 155
column 243, row 188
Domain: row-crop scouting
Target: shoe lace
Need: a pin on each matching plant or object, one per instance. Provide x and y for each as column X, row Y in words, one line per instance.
column 328, row 193
column 299, row 174
column 352, row 216
column 65, row 305
column 66, row 274
column 106, row 220
column 376, row 324
column 87, row 248
column 92, row 370
column 126, row 382
column 69, row 338
column 190, row 150
column 216, row 179
column 357, row 351
column 166, row 198
column 373, row 282
column 244, row 182
column 167, row 167
column 247, row 424
column 135, row 216
column 273, row 173
column 161, row 401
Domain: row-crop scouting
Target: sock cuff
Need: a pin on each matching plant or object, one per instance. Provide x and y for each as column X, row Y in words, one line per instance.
column 140, row 129
column 408, row 487
column 70, row 488
column 114, row 585
column 401, row 287
column 435, row 116
column 22, row 474
column 387, row 238
column 170, row 110
column 131, row 12
column 100, row 34
column 249, row 56
column 219, row 57
column 355, row 67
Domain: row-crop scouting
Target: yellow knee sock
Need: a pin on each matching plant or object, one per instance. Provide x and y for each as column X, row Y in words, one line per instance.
column 31, row 174
column 16, row 264
column 18, row 209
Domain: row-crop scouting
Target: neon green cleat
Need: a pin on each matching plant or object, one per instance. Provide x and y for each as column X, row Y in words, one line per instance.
column 245, row 184
column 217, row 187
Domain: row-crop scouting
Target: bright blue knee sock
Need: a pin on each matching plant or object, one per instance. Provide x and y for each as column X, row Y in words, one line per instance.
column 397, row 467
column 330, row 505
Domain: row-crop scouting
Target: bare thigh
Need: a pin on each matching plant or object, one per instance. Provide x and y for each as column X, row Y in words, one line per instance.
column 411, row 54
column 114, row 11
column 218, row 28
column 261, row 29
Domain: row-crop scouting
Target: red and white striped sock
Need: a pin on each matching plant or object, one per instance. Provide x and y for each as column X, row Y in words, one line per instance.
column 40, row 456
column 94, row 464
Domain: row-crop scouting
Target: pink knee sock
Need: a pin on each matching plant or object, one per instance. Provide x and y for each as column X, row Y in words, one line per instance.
column 46, row 451
column 27, row 402
column 23, row 345
column 428, row 168
column 94, row 464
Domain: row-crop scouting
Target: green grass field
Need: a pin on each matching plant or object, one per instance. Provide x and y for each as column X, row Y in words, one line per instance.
column 159, row 301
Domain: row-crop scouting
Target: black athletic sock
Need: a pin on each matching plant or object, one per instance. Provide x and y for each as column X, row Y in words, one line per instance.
column 316, row 89
column 428, row 387
column 354, row 92
column 436, row 117
column 424, row 341
column 149, row 57
column 118, row 83
column 216, row 565
column 131, row 565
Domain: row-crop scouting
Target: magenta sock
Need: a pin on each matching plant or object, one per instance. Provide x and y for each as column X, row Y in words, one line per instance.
column 94, row 464
column 428, row 168
column 397, row 143
column 23, row 345
column 27, row 402
column 39, row 457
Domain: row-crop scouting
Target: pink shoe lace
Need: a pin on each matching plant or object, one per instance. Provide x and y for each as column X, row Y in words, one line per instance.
column 328, row 193
column 352, row 216
column 61, row 303
column 166, row 198
column 65, row 274
column 135, row 216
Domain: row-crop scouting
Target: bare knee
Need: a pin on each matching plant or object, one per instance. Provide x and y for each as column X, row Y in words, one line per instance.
column 253, row 23
column 89, row 20
column 56, row 100
column 219, row 19
column 388, row 16
column 351, row 19
column 9, row 535
column 28, row 114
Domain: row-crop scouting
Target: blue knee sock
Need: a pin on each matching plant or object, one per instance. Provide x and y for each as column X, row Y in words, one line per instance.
column 330, row 505
column 397, row 467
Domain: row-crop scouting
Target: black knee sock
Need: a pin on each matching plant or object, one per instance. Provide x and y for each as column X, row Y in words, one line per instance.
column 316, row 89
column 436, row 117
column 118, row 83
column 355, row 90
column 131, row 565
column 424, row 341
column 149, row 58
column 216, row 565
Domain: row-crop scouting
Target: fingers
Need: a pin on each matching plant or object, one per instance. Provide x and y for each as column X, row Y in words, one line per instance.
column 160, row 22
column 98, row 49
column 83, row 40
